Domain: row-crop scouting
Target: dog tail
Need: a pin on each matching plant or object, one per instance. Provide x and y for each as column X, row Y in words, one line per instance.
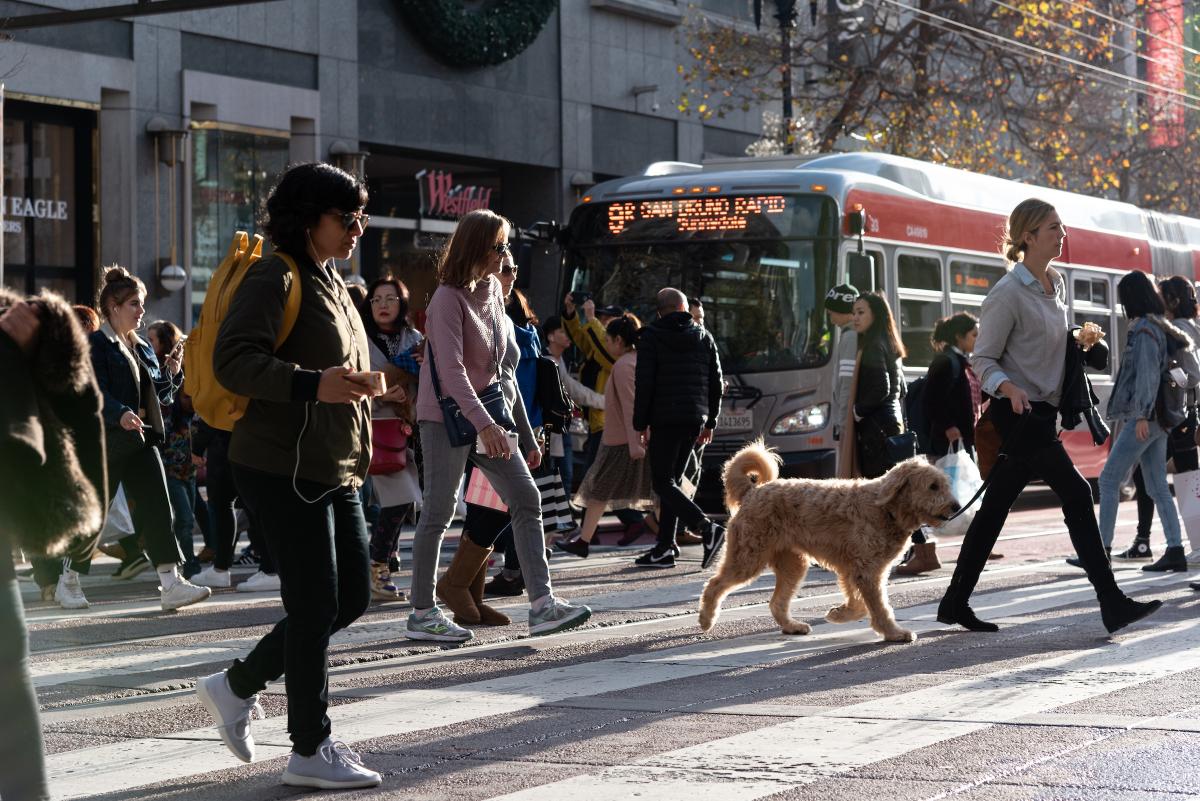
column 752, row 466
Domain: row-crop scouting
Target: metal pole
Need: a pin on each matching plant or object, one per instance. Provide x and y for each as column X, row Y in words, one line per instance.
column 787, row 21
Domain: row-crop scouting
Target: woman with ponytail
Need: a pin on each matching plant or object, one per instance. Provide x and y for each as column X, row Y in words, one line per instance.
column 620, row 477
column 1021, row 359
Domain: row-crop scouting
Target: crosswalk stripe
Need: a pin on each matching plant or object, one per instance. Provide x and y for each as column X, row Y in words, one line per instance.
column 129, row 764
column 805, row 750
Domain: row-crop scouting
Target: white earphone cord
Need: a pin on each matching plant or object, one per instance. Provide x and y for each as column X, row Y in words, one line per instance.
column 296, row 469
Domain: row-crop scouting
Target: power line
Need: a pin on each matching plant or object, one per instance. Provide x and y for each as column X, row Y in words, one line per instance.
column 1130, row 25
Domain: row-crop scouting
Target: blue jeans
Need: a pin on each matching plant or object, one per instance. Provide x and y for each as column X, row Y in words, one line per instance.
column 183, row 505
column 1152, row 456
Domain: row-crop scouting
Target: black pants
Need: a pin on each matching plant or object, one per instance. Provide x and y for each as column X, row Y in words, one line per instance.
column 22, row 767
column 222, row 495
column 1029, row 441
column 668, row 452
column 139, row 468
column 321, row 551
column 1181, row 446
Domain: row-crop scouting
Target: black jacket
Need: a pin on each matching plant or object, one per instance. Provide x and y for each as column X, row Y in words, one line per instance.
column 119, row 387
column 880, row 385
column 53, row 485
column 678, row 379
column 1078, row 400
column 947, row 401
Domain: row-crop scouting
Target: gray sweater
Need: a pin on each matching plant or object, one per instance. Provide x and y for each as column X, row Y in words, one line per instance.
column 1023, row 336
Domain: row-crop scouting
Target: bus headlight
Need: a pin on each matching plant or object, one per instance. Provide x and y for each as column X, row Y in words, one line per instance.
column 803, row 421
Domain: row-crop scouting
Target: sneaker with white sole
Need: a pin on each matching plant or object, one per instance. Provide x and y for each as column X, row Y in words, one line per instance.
column 133, row 566
column 334, row 767
column 232, row 715
column 183, row 593
column 48, row 592
column 1193, row 558
column 656, row 558
column 557, row 616
column 69, row 593
column 432, row 624
column 1139, row 551
column 260, row 582
column 211, row 577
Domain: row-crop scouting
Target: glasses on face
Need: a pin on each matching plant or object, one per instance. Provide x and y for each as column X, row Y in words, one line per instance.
column 508, row 269
column 501, row 248
column 350, row 218
column 385, row 300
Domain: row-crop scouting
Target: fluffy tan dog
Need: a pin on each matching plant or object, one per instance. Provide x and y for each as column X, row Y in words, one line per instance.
column 855, row 527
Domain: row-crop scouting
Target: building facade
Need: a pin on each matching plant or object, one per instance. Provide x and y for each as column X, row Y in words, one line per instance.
column 148, row 142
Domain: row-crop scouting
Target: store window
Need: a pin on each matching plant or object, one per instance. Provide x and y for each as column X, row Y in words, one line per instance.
column 232, row 172
column 47, row 200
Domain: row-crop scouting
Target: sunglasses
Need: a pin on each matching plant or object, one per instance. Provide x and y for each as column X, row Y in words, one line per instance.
column 501, row 248
column 509, row 269
column 349, row 218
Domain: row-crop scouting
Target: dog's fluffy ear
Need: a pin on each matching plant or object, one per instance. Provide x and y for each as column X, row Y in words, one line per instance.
column 895, row 480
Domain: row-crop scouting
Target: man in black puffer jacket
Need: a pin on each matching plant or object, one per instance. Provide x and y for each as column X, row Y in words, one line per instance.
column 676, row 403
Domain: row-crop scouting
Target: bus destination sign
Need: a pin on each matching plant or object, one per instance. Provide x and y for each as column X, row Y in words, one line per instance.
column 698, row 214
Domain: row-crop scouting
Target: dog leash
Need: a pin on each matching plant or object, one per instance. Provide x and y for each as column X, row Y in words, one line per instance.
column 1001, row 456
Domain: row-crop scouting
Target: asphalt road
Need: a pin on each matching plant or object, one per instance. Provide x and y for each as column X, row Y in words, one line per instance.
column 640, row 704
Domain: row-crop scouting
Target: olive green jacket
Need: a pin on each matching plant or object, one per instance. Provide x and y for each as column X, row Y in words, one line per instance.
column 285, row 430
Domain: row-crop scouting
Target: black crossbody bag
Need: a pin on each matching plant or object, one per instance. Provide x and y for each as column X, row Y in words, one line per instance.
column 459, row 429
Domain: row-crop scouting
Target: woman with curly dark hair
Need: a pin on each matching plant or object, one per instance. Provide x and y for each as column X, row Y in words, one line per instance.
column 299, row 456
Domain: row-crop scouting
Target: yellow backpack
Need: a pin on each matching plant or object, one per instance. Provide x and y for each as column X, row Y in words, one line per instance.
column 216, row 405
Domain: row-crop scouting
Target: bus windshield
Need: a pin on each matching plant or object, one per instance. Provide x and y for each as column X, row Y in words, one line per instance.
column 762, row 296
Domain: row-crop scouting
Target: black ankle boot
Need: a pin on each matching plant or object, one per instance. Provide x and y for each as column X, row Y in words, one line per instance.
column 1075, row 561
column 963, row 615
column 1173, row 560
column 1123, row 610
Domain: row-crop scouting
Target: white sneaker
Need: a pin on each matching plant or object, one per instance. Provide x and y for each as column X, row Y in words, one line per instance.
column 232, row 714
column 69, row 593
column 1193, row 558
column 433, row 625
column 334, row 767
column 211, row 577
column 260, row 582
column 183, row 593
column 557, row 616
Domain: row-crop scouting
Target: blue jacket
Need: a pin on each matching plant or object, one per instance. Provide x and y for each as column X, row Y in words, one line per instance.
column 531, row 348
column 119, row 387
column 1147, row 346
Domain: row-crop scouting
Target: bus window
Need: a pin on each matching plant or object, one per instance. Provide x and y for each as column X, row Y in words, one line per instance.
column 917, row 318
column 860, row 281
column 1092, row 290
column 919, row 272
column 974, row 278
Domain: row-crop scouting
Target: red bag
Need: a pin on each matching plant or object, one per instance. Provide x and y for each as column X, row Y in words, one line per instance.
column 389, row 445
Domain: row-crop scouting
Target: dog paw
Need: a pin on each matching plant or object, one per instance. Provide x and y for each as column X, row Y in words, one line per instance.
column 844, row 614
column 796, row 627
column 706, row 622
column 901, row 635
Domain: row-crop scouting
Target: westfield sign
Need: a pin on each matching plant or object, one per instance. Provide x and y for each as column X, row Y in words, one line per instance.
column 441, row 197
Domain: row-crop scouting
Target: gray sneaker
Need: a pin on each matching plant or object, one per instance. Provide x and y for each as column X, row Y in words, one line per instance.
column 432, row 624
column 334, row 767
column 232, row 714
column 557, row 616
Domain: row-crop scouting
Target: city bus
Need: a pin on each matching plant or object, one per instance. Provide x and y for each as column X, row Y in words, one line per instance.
column 760, row 242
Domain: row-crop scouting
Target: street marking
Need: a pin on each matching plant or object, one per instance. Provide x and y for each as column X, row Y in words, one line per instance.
column 780, row 757
column 123, row 766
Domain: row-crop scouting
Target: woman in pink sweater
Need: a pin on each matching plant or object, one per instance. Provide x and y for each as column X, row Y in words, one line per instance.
column 620, row 476
column 471, row 350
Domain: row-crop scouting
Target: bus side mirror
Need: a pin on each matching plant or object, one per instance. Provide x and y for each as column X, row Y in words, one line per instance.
column 856, row 221
column 860, row 271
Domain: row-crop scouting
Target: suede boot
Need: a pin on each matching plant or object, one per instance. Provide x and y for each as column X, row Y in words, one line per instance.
column 1119, row 610
column 954, row 608
column 924, row 559
column 454, row 588
column 1173, row 560
column 488, row 616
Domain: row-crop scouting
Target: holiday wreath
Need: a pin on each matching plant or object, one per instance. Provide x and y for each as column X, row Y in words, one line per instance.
column 483, row 37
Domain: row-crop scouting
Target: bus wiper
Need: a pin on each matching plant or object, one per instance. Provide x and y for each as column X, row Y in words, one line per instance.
column 737, row 389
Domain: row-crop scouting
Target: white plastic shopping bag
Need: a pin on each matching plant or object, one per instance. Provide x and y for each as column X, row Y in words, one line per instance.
column 1187, row 496
column 965, row 481
column 118, row 524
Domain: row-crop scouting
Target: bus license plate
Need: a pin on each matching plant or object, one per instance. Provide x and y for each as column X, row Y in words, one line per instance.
column 735, row 421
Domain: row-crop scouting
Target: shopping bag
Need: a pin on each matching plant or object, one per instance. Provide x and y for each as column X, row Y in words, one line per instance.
column 118, row 524
column 481, row 493
column 1187, row 496
column 556, row 513
column 965, row 481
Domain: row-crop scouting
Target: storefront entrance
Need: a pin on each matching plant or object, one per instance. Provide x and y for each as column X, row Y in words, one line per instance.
column 49, row 186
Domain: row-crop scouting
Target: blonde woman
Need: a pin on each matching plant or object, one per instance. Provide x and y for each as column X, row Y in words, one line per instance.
column 1020, row 358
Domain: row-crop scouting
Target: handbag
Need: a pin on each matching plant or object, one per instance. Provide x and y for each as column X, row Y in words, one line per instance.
column 389, row 446
column 459, row 429
column 901, row 446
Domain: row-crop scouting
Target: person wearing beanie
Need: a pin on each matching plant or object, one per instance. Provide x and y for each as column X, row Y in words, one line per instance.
column 839, row 303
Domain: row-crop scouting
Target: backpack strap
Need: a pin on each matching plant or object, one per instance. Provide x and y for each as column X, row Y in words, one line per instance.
column 291, row 307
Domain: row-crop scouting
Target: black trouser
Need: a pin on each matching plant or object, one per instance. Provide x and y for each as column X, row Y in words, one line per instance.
column 139, row 467
column 668, row 452
column 22, row 767
column 321, row 551
column 1029, row 441
column 222, row 495
column 1181, row 446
